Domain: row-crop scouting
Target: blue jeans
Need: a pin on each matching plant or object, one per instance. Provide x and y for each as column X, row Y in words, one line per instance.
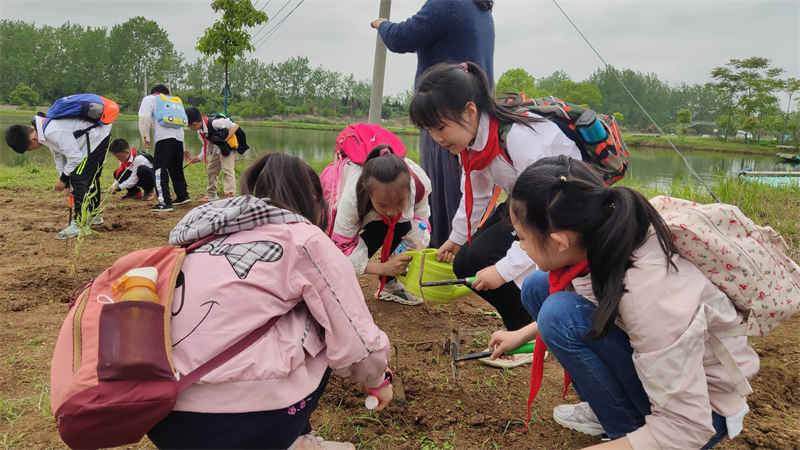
column 602, row 370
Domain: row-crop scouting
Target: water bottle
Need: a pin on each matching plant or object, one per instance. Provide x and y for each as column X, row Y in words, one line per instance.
column 405, row 244
column 137, row 285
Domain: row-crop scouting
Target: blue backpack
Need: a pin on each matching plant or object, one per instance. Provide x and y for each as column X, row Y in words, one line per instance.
column 169, row 112
column 88, row 107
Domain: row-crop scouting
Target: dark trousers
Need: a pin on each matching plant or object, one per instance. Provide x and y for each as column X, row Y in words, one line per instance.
column 168, row 164
column 147, row 179
column 489, row 244
column 85, row 179
column 444, row 170
column 261, row 429
column 374, row 233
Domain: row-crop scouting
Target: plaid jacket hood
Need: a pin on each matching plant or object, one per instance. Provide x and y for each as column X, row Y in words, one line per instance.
column 229, row 215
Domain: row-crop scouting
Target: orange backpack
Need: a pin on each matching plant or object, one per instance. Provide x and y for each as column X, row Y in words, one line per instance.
column 112, row 377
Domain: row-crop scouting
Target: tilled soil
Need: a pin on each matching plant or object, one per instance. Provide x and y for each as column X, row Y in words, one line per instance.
column 481, row 407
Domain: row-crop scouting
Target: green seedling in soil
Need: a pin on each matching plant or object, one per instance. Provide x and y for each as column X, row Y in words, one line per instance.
column 85, row 221
column 10, row 442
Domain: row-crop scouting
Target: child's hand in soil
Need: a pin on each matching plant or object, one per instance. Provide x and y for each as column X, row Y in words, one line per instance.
column 503, row 341
column 385, row 395
column 396, row 265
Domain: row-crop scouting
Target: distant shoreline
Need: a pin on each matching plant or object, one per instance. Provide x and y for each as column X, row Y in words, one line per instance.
column 633, row 141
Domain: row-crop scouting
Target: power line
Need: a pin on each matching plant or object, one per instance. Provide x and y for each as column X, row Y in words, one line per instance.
column 261, row 30
column 614, row 72
column 268, row 26
column 275, row 29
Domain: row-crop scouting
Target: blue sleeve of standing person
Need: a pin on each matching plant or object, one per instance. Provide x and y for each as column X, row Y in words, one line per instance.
column 419, row 31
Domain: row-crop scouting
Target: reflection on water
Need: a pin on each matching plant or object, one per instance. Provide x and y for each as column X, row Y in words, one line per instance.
column 647, row 166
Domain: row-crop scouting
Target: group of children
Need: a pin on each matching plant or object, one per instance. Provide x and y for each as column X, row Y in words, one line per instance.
column 79, row 150
column 590, row 269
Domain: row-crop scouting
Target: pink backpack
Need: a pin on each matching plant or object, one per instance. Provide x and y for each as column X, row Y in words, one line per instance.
column 353, row 144
column 112, row 377
column 746, row 261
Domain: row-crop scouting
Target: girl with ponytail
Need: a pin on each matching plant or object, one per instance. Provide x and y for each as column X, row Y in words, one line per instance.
column 455, row 104
column 637, row 327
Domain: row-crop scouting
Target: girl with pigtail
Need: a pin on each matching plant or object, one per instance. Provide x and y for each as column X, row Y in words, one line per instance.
column 494, row 144
column 650, row 343
column 383, row 202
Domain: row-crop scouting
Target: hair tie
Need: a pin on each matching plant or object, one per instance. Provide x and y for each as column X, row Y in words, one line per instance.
column 385, row 151
column 563, row 179
column 464, row 66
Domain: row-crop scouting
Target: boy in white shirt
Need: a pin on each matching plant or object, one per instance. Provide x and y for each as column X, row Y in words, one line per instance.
column 78, row 160
column 167, row 153
column 217, row 129
column 135, row 172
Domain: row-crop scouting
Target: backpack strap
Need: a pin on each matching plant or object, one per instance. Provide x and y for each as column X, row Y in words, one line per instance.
column 419, row 188
column 223, row 357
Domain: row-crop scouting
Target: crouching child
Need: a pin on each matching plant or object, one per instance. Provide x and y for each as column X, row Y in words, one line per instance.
column 135, row 172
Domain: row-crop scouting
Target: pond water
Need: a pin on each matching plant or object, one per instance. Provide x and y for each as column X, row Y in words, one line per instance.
column 647, row 166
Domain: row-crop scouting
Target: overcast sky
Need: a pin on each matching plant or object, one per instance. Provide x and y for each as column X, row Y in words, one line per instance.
column 679, row 40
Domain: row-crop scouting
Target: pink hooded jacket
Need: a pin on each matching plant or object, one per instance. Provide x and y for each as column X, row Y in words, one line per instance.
column 268, row 262
column 689, row 350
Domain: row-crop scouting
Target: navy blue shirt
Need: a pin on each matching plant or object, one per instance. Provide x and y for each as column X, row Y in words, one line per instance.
column 445, row 30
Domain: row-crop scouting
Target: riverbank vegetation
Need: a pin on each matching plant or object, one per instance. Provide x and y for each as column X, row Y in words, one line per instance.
column 740, row 98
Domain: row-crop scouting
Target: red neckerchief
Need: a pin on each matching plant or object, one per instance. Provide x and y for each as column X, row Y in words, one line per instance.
column 478, row 161
column 386, row 249
column 559, row 279
column 125, row 164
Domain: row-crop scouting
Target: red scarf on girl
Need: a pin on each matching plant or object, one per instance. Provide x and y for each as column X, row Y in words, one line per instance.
column 559, row 279
column 386, row 249
column 479, row 161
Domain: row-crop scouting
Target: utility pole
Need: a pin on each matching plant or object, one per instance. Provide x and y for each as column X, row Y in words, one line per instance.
column 378, row 68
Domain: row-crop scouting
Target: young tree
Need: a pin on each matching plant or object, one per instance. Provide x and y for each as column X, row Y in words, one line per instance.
column 228, row 37
column 518, row 81
column 23, row 95
column 790, row 86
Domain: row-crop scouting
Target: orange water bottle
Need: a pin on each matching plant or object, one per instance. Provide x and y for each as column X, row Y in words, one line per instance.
column 137, row 285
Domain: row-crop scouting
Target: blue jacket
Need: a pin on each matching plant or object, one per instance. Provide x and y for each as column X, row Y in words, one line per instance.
column 445, row 30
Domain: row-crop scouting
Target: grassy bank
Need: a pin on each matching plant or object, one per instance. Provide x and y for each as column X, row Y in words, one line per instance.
column 699, row 143
column 778, row 207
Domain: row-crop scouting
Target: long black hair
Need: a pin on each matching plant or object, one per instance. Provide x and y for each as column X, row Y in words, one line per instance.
column 444, row 90
column 289, row 183
column 383, row 165
column 560, row 193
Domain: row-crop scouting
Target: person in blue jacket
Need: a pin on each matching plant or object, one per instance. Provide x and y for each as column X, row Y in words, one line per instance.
column 443, row 30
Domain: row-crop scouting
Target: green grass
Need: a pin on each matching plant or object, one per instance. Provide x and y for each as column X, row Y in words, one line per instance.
column 700, row 143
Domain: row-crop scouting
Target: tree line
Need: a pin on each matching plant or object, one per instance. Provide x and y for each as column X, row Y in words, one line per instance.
column 43, row 63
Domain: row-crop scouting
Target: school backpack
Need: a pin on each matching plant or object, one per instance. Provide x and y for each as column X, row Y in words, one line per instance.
column 219, row 136
column 596, row 135
column 112, row 377
column 354, row 144
column 89, row 107
column 746, row 261
column 169, row 111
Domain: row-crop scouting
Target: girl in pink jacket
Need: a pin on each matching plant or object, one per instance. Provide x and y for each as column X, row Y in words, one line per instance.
column 654, row 349
column 269, row 258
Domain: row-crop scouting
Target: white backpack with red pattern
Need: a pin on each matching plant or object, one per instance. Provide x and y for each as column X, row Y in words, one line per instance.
column 748, row 262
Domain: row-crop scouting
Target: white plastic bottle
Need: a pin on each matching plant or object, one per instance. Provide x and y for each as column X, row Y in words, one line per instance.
column 405, row 244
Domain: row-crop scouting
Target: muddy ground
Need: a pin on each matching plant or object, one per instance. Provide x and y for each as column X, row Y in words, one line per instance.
column 482, row 408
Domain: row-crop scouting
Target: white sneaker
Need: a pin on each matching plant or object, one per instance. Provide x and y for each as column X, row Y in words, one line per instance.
column 312, row 441
column 395, row 291
column 578, row 417
column 70, row 232
column 98, row 220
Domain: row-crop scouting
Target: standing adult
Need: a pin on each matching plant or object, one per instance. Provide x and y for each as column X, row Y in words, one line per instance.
column 167, row 153
column 443, row 30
